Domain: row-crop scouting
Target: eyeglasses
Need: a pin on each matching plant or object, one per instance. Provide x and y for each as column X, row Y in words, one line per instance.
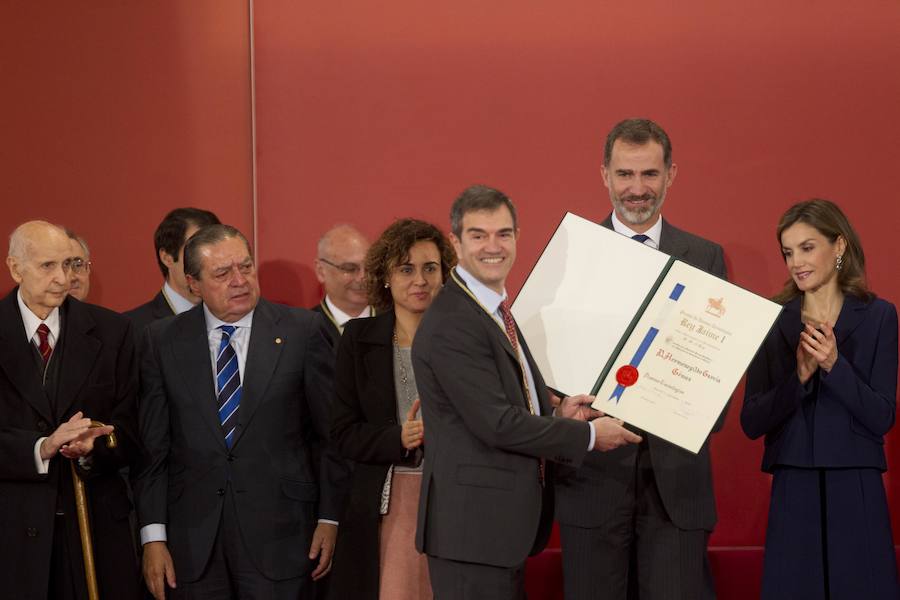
column 347, row 269
column 79, row 265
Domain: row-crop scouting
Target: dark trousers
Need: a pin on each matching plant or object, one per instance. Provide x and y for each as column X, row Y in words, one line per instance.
column 455, row 580
column 231, row 575
column 638, row 552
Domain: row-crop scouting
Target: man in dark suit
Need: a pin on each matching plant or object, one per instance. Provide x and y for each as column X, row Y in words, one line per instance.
column 234, row 406
column 640, row 516
column 62, row 364
column 487, row 499
column 340, row 268
column 175, row 297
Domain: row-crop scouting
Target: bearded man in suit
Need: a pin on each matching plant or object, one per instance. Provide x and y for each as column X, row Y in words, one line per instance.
column 639, row 517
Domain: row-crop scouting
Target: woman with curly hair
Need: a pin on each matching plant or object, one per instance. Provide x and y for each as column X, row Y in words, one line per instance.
column 375, row 420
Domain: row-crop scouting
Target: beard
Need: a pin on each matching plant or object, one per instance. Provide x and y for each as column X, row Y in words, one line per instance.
column 637, row 216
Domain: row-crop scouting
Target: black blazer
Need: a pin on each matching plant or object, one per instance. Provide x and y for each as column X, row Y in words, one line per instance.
column 146, row 313
column 365, row 428
column 334, row 333
column 287, row 386
column 97, row 375
column 835, row 420
column 588, row 497
column 482, row 501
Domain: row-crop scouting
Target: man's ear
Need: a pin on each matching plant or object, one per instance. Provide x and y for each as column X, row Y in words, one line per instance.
column 320, row 271
column 456, row 243
column 14, row 271
column 670, row 174
column 166, row 258
column 193, row 284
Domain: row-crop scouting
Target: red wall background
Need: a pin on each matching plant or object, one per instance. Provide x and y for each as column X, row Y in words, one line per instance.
column 114, row 113
column 368, row 112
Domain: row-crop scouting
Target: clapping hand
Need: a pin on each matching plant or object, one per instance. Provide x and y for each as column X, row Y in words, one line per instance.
column 817, row 348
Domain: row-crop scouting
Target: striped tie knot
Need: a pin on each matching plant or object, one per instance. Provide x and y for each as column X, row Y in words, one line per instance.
column 228, row 384
column 640, row 237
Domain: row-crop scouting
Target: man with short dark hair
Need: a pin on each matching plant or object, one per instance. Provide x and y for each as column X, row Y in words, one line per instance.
column 234, row 406
column 62, row 364
column 640, row 516
column 169, row 239
column 340, row 268
column 487, row 494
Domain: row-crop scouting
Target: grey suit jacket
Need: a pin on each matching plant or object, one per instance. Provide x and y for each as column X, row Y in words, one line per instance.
column 283, row 428
column 587, row 497
column 482, row 499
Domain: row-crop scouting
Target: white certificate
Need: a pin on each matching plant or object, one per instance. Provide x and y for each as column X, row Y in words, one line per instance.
column 682, row 360
column 598, row 306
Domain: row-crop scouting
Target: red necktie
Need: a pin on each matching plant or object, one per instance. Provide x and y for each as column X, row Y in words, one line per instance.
column 44, row 346
column 509, row 324
column 514, row 340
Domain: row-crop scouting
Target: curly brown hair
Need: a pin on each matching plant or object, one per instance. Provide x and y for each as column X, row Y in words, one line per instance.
column 825, row 217
column 392, row 249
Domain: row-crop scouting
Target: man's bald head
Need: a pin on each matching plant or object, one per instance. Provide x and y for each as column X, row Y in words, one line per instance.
column 39, row 260
column 339, row 267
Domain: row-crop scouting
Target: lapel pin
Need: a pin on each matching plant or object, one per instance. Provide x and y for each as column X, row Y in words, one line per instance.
column 277, row 340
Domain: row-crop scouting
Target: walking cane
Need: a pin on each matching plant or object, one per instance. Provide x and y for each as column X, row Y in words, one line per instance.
column 84, row 523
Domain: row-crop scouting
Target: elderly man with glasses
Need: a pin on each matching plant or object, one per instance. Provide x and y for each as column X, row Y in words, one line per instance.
column 80, row 272
column 340, row 269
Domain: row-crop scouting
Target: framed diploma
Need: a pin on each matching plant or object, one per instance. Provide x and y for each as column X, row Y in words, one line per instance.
column 660, row 343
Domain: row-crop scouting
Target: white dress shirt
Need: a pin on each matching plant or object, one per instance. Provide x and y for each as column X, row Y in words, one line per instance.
column 177, row 302
column 31, row 322
column 653, row 234
column 340, row 317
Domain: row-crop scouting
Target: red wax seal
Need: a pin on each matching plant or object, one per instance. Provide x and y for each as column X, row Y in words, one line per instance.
column 626, row 376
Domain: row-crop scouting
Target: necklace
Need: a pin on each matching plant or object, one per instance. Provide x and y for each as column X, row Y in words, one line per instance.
column 404, row 376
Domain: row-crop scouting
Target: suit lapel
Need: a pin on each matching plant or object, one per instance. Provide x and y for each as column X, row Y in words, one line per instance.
column 853, row 313
column 672, row 242
column 80, row 351
column 190, row 351
column 495, row 327
column 161, row 307
column 789, row 324
column 376, row 346
column 17, row 360
column 266, row 342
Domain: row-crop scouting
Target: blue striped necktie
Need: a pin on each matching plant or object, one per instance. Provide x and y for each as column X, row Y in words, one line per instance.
column 228, row 384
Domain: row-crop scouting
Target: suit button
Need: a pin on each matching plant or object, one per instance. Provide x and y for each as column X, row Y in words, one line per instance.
column 31, row 532
column 220, row 492
column 230, row 458
column 42, row 426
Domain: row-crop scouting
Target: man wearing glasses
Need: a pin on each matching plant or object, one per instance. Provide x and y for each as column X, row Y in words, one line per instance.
column 80, row 272
column 340, row 268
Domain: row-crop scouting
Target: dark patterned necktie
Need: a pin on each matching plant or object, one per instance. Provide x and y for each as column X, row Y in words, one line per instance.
column 640, row 237
column 509, row 324
column 44, row 342
column 228, row 384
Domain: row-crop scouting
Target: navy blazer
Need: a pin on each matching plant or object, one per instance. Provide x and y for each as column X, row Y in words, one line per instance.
column 836, row 419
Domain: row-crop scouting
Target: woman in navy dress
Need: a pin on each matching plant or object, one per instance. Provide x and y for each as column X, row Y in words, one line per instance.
column 822, row 389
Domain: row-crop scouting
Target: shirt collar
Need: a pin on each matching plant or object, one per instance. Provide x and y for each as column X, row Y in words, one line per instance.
column 489, row 298
column 654, row 233
column 340, row 317
column 212, row 321
column 32, row 322
column 178, row 302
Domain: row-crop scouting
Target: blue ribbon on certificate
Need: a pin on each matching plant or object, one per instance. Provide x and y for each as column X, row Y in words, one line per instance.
column 648, row 339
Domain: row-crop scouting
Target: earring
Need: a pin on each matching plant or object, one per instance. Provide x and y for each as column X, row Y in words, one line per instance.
column 839, row 262
column 387, row 285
